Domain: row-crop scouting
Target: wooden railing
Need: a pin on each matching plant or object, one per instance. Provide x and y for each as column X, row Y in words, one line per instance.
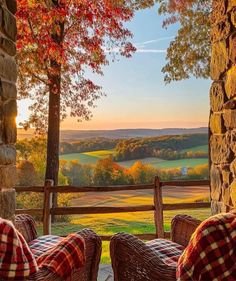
column 157, row 207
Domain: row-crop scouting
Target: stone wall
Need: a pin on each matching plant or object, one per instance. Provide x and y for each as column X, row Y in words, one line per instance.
column 223, row 106
column 8, row 108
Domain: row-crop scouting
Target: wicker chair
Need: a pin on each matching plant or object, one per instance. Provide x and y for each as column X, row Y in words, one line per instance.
column 26, row 225
column 134, row 260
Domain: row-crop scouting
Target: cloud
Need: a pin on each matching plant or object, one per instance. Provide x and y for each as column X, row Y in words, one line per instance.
column 157, row 51
column 154, row 41
column 138, row 50
column 141, row 47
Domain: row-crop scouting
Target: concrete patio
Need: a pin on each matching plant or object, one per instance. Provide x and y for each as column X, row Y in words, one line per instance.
column 105, row 273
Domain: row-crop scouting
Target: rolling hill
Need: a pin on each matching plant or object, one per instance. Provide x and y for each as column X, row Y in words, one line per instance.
column 72, row 135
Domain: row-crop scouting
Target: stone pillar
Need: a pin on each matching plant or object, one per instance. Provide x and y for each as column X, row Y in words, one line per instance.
column 223, row 106
column 8, row 108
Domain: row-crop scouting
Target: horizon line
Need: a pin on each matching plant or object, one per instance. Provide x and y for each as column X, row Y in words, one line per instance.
column 119, row 129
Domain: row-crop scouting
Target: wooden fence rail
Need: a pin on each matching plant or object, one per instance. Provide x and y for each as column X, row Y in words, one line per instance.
column 158, row 207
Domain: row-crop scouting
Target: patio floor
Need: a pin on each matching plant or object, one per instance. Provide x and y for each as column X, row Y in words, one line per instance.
column 105, row 273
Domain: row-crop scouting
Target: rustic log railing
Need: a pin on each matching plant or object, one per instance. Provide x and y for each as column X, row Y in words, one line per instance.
column 158, row 207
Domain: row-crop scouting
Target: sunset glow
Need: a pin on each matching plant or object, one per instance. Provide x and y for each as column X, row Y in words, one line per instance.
column 137, row 96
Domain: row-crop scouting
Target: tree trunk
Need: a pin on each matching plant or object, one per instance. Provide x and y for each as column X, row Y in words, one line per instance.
column 53, row 135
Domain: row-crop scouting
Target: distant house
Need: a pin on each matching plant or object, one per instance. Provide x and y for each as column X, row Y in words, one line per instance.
column 184, row 171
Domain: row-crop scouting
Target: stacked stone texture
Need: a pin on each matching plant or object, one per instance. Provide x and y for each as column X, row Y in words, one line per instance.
column 223, row 106
column 8, row 107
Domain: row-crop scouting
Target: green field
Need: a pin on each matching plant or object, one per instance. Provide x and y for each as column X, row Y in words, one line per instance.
column 168, row 164
column 202, row 148
column 100, row 153
column 93, row 156
column 87, row 157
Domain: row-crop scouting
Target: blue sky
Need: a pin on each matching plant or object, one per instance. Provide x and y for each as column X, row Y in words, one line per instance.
column 137, row 96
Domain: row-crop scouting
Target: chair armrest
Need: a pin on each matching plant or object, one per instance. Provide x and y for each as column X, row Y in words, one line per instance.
column 93, row 250
column 88, row 272
column 26, row 225
column 132, row 259
column 182, row 228
column 44, row 275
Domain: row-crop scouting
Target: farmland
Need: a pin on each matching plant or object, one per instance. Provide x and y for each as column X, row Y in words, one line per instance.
column 93, row 156
column 87, row 157
column 167, row 164
column 202, row 148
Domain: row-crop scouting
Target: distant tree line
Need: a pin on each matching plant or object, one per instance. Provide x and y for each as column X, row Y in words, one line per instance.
column 169, row 154
column 164, row 147
column 86, row 145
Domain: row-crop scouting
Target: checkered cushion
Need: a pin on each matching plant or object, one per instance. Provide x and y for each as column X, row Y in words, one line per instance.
column 16, row 259
column 168, row 251
column 65, row 256
column 26, row 225
column 44, row 243
column 211, row 253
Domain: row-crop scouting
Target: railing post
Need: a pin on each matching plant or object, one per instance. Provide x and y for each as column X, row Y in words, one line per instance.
column 158, row 204
column 47, row 207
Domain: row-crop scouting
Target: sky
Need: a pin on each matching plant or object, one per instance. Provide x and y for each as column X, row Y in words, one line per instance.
column 136, row 95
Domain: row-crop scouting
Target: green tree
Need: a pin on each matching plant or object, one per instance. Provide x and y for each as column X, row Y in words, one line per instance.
column 33, row 150
column 189, row 53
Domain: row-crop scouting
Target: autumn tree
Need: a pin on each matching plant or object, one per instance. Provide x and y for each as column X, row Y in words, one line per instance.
column 189, row 52
column 26, row 174
column 34, row 151
column 107, row 172
column 142, row 173
column 78, row 174
column 58, row 42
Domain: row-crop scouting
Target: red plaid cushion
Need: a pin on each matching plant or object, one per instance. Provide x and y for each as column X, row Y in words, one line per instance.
column 26, row 225
column 168, row 251
column 64, row 257
column 16, row 259
column 44, row 243
column 211, row 253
